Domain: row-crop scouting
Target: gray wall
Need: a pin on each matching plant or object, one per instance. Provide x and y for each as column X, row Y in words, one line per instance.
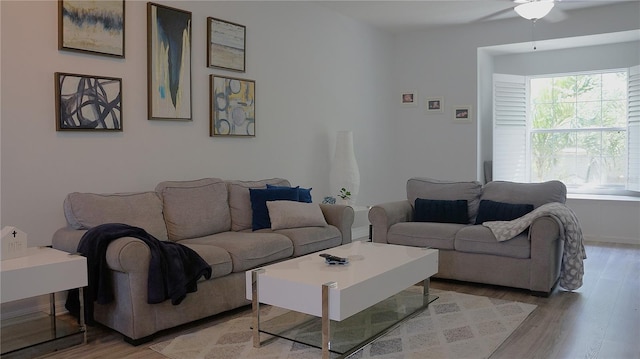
column 311, row 81
column 316, row 72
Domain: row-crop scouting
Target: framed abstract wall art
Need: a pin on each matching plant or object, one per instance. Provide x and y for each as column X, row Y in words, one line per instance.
column 232, row 107
column 226, row 44
column 169, row 63
column 92, row 26
column 88, row 103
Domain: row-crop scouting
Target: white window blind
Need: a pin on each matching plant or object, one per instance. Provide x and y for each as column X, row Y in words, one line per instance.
column 510, row 140
column 633, row 130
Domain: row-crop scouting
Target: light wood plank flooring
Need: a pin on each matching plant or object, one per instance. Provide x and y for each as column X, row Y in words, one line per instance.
column 600, row 320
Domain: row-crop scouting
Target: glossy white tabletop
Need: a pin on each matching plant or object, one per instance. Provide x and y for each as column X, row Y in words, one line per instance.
column 375, row 272
column 42, row 271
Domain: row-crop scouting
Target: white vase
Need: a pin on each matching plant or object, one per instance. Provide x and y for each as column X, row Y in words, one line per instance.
column 344, row 168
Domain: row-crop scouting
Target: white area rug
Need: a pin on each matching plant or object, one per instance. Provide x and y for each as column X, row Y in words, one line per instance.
column 454, row 326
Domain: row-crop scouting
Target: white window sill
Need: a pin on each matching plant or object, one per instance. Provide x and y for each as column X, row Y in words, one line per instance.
column 602, row 197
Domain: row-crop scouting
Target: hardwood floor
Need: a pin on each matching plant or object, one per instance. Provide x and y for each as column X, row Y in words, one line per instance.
column 600, row 320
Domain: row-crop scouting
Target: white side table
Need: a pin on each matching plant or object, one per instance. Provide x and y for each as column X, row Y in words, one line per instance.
column 42, row 271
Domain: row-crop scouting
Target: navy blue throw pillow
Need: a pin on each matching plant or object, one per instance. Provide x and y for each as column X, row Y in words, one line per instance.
column 500, row 211
column 304, row 194
column 441, row 211
column 259, row 198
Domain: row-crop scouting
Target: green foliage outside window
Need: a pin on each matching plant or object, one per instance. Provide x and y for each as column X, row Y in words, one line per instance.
column 578, row 129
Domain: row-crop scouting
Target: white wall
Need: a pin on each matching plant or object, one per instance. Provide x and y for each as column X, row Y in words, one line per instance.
column 447, row 62
column 316, row 72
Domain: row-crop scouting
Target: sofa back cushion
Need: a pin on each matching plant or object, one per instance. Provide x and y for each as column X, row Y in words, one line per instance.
column 536, row 194
column 240, row 201
column 140, row 209
column 428, row 188
column 195, row 208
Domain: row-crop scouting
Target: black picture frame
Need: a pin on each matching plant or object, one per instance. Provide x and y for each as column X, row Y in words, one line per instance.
column 88, row 103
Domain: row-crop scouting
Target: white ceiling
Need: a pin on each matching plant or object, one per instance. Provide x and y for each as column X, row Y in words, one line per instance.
column 398, row 16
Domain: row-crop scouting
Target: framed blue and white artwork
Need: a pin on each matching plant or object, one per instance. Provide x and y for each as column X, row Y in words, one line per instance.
column 169, row 63
column 88, row 103
column 91, row 26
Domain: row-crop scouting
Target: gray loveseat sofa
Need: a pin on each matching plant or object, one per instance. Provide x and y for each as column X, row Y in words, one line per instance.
column 212, row 217
column 470, row 251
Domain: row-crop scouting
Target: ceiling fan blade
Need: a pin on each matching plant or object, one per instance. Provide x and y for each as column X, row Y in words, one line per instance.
column 555, row 15
column 494, row 15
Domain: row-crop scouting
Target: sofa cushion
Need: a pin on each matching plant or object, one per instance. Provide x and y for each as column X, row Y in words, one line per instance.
column 424, row 234
column 249, row 249
column 536, row 194
column 259, row 198
column 240, row 202
column 290, row 214
column 195, row 208
column 140, row 209
column 500, row 211
column 312, row 239
column 480, row 239
column 218, row 258
column 422, row 187
column 441, row 211
column 304, row 194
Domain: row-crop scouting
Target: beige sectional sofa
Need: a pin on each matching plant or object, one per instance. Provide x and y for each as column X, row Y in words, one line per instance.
column 211, row 216
column 469, row 251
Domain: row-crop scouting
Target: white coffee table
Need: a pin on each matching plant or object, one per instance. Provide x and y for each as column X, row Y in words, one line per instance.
column 42, row 271
column 306, row 284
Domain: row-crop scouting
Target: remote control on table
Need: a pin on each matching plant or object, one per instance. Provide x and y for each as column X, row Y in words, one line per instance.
column 331, row 259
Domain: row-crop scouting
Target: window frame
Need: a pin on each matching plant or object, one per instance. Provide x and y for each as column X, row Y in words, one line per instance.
column 518, row 119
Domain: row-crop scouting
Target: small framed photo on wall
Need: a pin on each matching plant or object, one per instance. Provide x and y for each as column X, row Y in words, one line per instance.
column 408, row 98
column 435, row 104
column 462, row 114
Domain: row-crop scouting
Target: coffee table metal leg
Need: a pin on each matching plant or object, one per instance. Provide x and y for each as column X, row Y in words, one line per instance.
column 425, row 291
column 326, row 332
column 255, row 307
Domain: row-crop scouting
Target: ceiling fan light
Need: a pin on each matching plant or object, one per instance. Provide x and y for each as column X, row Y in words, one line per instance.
column 534, row 10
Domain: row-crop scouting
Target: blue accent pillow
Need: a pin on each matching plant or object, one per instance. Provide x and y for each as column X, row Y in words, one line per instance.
column 304, row 194
column 500, row 211
column 259, row 198
column 441, row 211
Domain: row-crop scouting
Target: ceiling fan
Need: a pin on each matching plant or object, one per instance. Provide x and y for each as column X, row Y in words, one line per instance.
column 533, row 10
column 538, row 9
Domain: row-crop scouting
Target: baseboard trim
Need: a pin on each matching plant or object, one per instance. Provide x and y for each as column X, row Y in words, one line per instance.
column 617, row 240
column 360, row 232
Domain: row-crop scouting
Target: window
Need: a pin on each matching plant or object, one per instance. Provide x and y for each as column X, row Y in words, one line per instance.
column 580, row 128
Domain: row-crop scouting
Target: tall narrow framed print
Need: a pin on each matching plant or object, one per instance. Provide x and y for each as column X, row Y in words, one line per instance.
column 88, row 103
column 169, row 63
column 232, row 107
column 226, row 43
column 92, row 26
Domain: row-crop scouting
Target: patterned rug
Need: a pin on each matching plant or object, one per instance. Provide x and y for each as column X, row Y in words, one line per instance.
column 456, row 325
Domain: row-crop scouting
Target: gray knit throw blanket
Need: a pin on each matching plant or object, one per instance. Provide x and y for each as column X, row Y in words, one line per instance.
column 572, row 269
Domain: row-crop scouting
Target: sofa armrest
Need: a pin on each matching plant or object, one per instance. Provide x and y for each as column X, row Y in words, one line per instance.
column 129, row 255
column 546, row 253
column 67, row 239
column 123, row 255
column 383, row 216
column 340, row 216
